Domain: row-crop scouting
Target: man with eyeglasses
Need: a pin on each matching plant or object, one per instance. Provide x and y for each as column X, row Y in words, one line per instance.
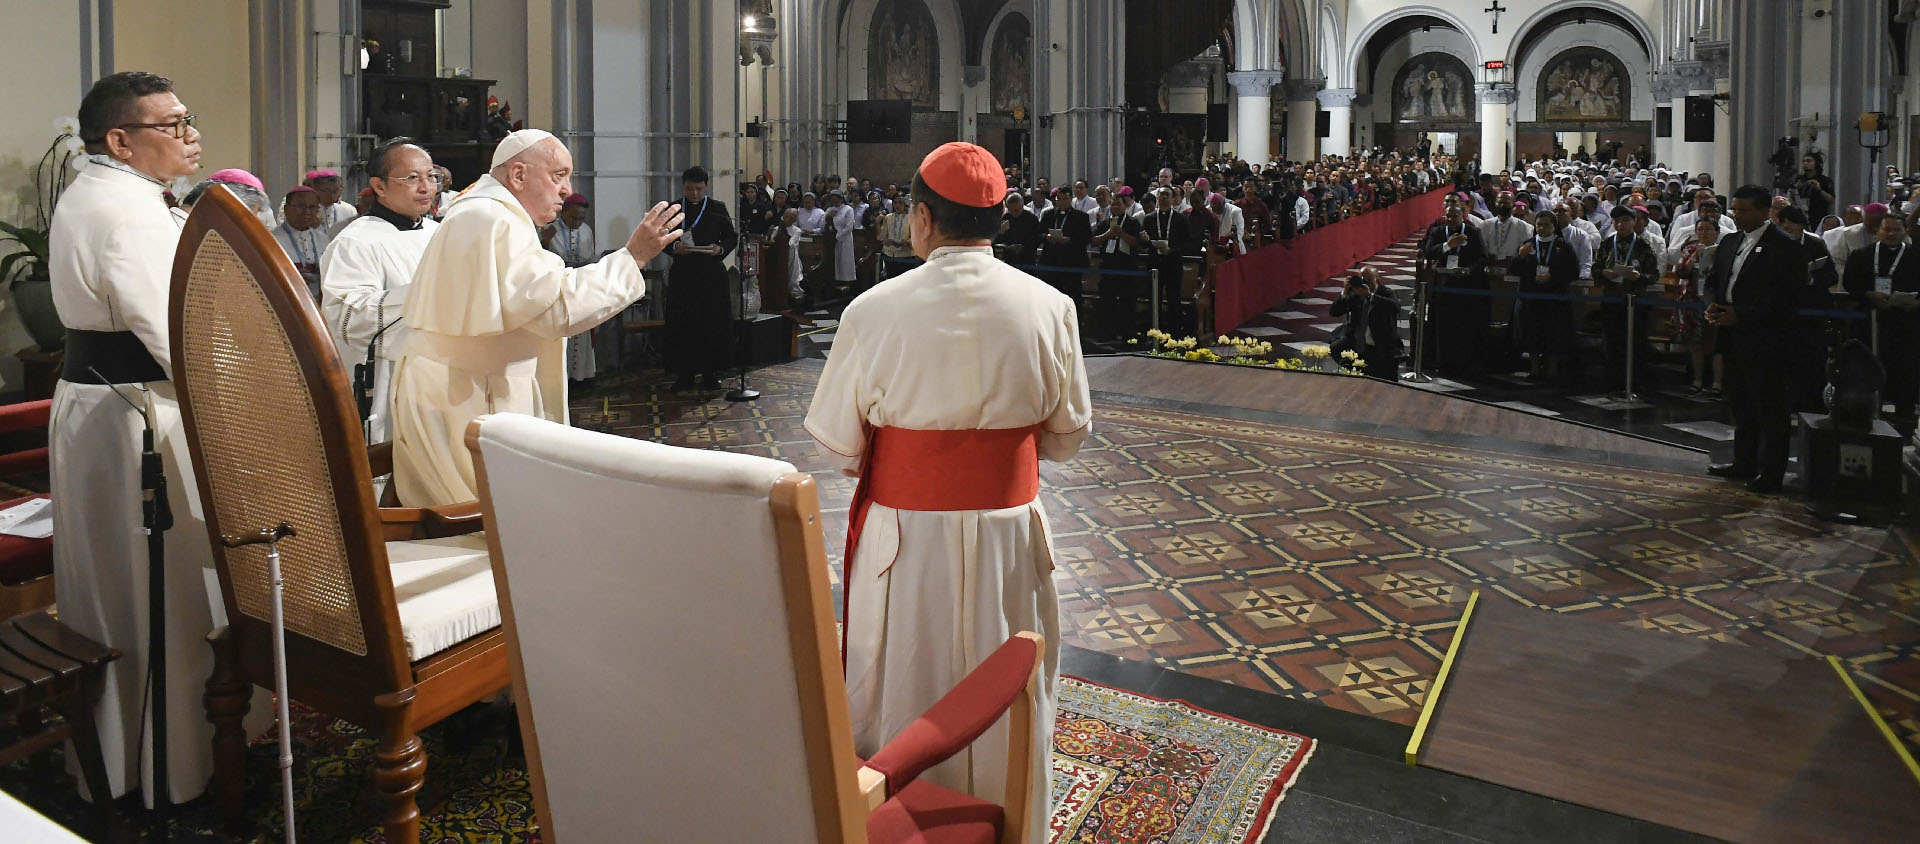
column 333, row 210
column 111, row 254
column 365, row 273
column 301, row 236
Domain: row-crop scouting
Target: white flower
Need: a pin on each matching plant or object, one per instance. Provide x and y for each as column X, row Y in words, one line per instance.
column 66, row 125
column 79, row 163
column 1223, row 341
column 73, row 145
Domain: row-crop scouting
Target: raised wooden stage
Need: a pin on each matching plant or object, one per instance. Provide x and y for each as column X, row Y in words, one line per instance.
column 1710, row 737
column 1367, row 405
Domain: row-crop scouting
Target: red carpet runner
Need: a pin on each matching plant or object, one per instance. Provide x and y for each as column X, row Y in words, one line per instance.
column 1250, row 284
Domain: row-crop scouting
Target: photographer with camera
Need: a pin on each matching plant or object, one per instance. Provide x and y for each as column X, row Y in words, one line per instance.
column 1814, row 187
column 1372, row 328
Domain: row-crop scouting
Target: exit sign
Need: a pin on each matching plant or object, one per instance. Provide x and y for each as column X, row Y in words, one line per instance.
column 1496, row 65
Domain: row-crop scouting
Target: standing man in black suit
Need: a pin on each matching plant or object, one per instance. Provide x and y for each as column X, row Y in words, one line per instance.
column 1167, row 235
column 1752, row 294
column 1065, row 231
column 1458, row 258
column 698, row 308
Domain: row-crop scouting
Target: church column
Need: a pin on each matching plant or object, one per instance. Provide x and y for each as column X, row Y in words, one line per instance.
column 1859, row 84
column 1092, row 125
column 1303, row 107
column 1253, row 97
column 972, row 96
column 1765, row 88
column 1496, row 122
column 1663, row 87
column 1339, row 105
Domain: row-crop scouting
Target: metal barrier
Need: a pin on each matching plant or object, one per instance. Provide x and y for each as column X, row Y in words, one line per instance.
column 1152, row 276
column 1422, row 301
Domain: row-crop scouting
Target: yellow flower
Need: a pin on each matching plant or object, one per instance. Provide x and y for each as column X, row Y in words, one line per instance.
column 1223, row 341
column 1315, row 351
column 1359, row 364
column 1349, row 355
column 1133, row 341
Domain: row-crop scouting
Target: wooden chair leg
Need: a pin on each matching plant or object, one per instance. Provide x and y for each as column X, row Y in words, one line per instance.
column 227, row 699
column 86, row 745
column 399, row 768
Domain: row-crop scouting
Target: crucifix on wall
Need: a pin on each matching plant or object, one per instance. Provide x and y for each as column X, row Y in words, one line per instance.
column 1496, row 9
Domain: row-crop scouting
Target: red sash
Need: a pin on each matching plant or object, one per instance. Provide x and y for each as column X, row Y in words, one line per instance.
column 934, row 471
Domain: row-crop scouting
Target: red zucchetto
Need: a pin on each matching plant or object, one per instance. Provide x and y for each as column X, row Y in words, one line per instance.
column 964, row 173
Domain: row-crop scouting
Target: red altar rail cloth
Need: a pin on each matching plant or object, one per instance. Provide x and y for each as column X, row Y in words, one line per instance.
column 1252, row 283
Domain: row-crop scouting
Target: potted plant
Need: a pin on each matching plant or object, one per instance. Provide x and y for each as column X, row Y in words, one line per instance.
column 25, row 271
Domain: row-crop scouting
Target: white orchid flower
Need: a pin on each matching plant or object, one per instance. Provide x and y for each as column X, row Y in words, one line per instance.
column 66, row 125
column 72, row 144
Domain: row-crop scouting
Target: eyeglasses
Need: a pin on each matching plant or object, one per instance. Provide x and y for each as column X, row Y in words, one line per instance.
column 412, row 179
column 177, row 128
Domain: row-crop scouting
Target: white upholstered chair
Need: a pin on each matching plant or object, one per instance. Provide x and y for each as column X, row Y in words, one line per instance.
column 674, row 658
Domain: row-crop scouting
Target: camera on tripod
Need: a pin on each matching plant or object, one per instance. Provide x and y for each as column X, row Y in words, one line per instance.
column 1786, row 164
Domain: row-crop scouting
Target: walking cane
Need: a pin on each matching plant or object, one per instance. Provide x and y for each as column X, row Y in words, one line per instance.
column 272, row 537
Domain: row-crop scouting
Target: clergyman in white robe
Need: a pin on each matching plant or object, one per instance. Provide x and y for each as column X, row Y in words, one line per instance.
column 963, row 342
column 364, row 277
column 111, row 260
column 489, row 312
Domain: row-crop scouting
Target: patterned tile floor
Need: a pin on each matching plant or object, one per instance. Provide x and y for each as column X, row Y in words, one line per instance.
column 1668, row 413
column 1324, row 566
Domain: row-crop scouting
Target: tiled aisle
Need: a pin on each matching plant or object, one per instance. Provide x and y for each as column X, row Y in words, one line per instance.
column 1322, row 565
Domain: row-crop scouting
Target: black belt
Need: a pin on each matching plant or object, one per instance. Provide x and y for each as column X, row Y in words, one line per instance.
column 117, row 356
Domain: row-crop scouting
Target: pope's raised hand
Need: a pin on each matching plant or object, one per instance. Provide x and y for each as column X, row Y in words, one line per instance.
column 660, row 227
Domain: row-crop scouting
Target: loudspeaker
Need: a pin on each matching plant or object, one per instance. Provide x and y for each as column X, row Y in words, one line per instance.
column 1323, row 123
column 1217, row 123
column 1663, row 122
column 1699, row 126
column 879, row 121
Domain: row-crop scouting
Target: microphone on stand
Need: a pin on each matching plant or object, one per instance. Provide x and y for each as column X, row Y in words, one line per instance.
column 156, row 518
column 363, row 377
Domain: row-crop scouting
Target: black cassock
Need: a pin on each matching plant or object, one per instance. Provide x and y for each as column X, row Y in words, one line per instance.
column 699, row 310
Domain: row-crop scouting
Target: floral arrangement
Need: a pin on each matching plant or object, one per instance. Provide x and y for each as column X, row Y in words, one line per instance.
column 51, row 176
column 1248, row 351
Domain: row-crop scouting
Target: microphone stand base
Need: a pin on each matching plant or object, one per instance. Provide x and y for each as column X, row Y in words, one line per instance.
column 742, row 394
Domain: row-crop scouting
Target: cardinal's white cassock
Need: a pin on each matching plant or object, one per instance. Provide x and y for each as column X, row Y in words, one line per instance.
column 364, row 276
column 966, row 358
column 489, row 311
column 111, row 261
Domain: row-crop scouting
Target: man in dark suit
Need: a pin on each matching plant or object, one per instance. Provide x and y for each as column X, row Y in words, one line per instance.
column 1065, row 231
column 1166, row 235
column 1752, row 293
column 697, row 304
column 1372, row 328
column 1458, row 259
column 1875, row 277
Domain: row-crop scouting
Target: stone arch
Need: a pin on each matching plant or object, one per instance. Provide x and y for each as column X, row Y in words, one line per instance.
column 1350, row 69
column 857, row 19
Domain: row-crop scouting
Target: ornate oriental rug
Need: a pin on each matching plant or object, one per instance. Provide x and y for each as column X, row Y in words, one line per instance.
column 1132, row 768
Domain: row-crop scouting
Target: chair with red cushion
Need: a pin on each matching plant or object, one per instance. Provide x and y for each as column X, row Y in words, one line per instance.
column 674, row 662
column 26, row 565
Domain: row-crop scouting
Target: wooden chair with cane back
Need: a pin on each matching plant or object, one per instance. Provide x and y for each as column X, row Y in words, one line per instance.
column 391, row 621
column 724, row 716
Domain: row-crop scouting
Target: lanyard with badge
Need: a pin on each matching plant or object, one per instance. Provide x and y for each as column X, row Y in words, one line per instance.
column 1883, row 281
column 686, row 234
column 301, row 246
column 1544, row 268
column 1453, row 252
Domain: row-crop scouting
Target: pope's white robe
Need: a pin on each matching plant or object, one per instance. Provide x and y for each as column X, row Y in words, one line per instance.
column 111, row 252
column 961, row 342
column 490, row 311
column 576, row 247
column 364, row 277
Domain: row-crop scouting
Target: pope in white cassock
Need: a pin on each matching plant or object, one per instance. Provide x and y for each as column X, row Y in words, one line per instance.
column 111, row 260
column 946, row 385
column 367, row 270
column 490, row 310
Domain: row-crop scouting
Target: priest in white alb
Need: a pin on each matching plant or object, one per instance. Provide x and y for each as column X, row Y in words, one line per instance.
column 490, row 310
column 111, row 255
column 947, row 384
column 366, row 271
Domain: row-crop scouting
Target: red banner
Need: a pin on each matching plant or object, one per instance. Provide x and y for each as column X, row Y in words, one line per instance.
column 1252, row 283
